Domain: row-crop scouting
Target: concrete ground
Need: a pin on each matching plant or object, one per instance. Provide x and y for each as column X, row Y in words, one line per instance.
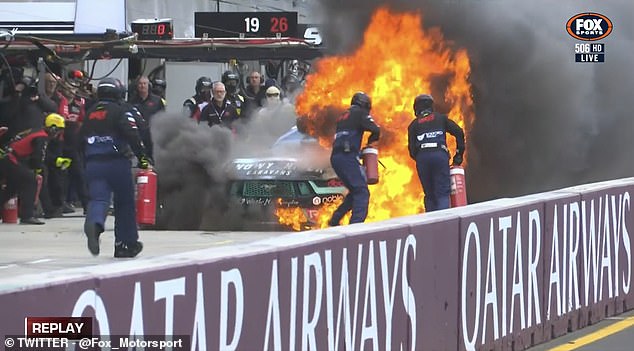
column 61, row 244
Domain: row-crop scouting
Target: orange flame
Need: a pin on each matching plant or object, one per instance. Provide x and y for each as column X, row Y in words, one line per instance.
column 396, row 61
column 296, row 219
column 293, row 217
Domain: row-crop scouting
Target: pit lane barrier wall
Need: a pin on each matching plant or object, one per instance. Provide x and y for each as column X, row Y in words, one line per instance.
column 499, row 275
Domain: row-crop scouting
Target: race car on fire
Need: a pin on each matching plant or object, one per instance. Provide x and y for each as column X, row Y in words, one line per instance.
column 290, row 189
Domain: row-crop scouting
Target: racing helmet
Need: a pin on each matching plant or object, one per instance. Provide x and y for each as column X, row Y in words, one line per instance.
column 54, row 121
column 230, row 80
column 203, row 83
column 361, row 99
column 160, row 83
column 158, row 86
column 110, row 89
column 422, row 103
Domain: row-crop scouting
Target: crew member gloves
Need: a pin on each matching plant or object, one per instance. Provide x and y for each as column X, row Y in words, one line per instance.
column 63, row 162
column 144, row 162
column 457, row 159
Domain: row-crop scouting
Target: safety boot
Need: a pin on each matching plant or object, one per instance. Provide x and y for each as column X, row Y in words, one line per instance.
column 67, row 208
column 123, row 250
column 31, row 220
column 93, row 231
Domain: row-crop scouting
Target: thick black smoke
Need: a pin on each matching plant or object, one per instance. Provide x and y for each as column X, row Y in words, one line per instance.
column 542, row 120
column 191, row 161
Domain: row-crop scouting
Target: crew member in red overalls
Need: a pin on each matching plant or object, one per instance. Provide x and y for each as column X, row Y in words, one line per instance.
column 22, row 161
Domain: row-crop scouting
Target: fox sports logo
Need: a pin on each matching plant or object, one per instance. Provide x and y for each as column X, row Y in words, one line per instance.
column 589, row 26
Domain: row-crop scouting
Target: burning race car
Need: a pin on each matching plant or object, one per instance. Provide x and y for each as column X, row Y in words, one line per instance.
column 294, row 188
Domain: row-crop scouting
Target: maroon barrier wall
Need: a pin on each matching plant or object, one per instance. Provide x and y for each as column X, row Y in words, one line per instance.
column 560, row 269
column 502, row 278
column 503, row 275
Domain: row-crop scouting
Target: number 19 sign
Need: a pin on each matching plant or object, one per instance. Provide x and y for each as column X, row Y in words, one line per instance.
column 245, row 24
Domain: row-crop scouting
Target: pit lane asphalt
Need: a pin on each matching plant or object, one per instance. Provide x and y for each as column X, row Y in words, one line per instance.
column 615, row 333
column 61, row 244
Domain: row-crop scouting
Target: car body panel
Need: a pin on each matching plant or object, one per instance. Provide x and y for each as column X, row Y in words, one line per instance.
column 304, row 180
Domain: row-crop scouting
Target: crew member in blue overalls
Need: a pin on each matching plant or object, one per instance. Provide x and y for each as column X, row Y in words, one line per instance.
column 109, row 133
column 345, row 157
column 427, row 144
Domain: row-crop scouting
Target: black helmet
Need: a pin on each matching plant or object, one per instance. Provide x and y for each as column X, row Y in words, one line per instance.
column 110, row 89
column 203, row 83
column 230, row 80
column 361, row 99
column 422, row 103
column 157, row 82
column 229, row 75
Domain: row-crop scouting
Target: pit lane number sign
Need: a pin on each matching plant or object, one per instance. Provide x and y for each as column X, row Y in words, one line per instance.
column 245, row 24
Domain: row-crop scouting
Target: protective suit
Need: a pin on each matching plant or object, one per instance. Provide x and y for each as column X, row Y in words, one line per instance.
column 345, row 158
column 427, row 144
column 109, row 135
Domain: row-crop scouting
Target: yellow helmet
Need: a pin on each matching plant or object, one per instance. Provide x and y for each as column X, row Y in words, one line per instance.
column 54, row 120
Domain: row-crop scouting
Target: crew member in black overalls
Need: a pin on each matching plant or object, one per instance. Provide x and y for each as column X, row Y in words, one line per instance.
column 427, row 144
column 193, row 105
column 345, row 158
column 220, row 111
column 108, row 133
column 232, row 82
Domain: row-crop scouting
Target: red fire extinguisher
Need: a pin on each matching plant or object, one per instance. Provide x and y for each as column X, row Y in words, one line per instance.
column 458, row 186
column 10, row 211
column 370, row 157
column 146, row 188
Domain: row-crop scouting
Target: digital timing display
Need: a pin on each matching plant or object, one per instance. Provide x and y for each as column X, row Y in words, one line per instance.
column 153, row 29
column 245, row 24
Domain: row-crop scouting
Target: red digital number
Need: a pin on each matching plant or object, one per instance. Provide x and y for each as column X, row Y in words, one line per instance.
column 283, row 24
column 160, row 30
column 279, row 24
